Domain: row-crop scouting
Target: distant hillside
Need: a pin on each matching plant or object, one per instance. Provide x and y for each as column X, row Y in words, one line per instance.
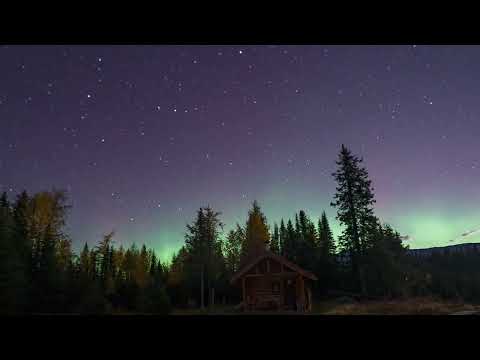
column 343, row 257
column 464, row 248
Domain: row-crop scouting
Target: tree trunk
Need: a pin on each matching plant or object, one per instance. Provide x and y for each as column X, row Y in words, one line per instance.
column 363, row 286
column 202, row 292
column 209, row 287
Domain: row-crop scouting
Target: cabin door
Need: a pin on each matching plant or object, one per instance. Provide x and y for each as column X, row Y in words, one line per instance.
column 290, row 294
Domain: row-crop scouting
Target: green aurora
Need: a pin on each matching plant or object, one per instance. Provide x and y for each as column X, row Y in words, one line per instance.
column 425, row 226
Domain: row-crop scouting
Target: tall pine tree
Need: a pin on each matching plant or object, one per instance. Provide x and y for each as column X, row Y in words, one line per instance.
column 354, row 201
column 204, row 251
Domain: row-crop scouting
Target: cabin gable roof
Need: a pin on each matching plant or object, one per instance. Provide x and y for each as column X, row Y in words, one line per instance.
column 280, row 259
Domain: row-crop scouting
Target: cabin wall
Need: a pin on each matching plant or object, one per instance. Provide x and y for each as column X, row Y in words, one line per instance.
column 262, row 266
column 275, row 267
column 269, row 278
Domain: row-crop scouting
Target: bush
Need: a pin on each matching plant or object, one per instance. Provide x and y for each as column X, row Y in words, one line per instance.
column 157, row 301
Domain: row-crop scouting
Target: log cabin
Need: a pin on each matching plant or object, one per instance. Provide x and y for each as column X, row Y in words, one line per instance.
column 270, row 281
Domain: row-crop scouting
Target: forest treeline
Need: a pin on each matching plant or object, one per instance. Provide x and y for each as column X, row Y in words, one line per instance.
column 40, row 273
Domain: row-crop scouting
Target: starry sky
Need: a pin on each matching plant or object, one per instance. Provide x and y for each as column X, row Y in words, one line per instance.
column 141, row 136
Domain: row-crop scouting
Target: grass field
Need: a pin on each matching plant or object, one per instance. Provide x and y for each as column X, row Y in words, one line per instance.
column 417, row 306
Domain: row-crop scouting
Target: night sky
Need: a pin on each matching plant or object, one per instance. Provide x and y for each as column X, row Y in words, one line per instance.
column 141, row 136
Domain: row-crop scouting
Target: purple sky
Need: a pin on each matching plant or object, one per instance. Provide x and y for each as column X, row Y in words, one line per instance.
column 141, row 136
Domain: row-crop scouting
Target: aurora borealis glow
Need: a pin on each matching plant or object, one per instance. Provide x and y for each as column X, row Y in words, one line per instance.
column 142, row 136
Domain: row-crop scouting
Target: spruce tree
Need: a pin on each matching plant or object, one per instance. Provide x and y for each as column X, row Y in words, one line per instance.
column 204, row 250
column 325, row 237
column 21, row 234
column 302, row 221
column 290, row 242
column 46, row 281
column 298, row 232
column 153, row 265
column 7, row 264
column 282, row 237
column 274, row 243
column 14, row 285
column 327, row 264
column 354, row 201
column 233, row 248
column 305, row 246
column 104, row 258
column 84, row 262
